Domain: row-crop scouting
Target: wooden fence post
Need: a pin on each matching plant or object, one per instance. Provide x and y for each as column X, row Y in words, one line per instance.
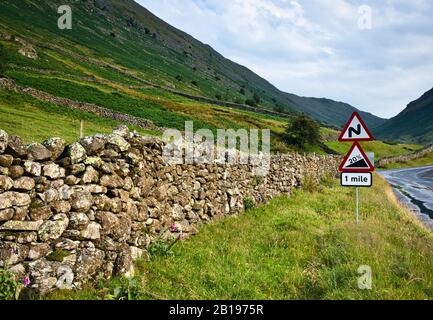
column 81, row 129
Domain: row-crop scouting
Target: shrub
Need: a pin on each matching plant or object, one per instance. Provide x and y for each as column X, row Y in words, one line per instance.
column 301, row 131
column 327, row 181
column 310, row 184
column 257, row 98
column 248, row 204
column 194, row 83
column 9, row 286
column 128, row 289
column 179, row 78
column 159, row 248
column 251, row 103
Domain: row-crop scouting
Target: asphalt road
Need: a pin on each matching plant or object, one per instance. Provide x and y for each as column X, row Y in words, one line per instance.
column 415, row 188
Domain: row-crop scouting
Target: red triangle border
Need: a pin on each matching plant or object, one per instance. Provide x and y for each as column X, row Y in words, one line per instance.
column 356, row 144
column 355, row 114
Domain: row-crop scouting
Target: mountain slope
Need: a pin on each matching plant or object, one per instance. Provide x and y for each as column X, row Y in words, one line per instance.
column 414, row 124
column 122, row 34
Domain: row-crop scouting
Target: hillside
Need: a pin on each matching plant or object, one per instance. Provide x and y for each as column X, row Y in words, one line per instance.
column 119, row 41
column 414, row 124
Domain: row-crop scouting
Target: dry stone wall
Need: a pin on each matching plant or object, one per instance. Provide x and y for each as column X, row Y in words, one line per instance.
column 71, row 213
column 406, row 157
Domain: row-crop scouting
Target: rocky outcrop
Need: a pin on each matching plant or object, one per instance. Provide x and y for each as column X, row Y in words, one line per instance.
column 73, row 213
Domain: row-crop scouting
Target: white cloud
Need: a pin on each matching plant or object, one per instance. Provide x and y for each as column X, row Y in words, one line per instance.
column 314, row 47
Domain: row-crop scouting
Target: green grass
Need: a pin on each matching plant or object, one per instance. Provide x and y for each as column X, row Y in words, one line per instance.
column 380, row 148
column 427, row 160
column 303, row 247
column 35, row 121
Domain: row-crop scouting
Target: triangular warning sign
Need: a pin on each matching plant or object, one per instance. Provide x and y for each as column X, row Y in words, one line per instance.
column 356, row 161
column 355, row 130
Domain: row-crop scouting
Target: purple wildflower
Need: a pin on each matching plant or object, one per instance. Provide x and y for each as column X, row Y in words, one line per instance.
column 14, row 251
column 26, row 281
column 182, row 236
column 173, row 228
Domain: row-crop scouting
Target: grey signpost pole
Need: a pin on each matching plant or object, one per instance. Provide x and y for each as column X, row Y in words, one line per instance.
column 357, row 205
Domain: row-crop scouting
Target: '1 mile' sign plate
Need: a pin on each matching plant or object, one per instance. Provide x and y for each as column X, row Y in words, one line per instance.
column 356, row 179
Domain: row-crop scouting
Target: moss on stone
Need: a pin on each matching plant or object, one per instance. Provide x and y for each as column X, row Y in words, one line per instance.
column 58, row 255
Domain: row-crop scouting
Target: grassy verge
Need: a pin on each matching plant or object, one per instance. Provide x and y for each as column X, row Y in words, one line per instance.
column 427, row 160
column 303, row 247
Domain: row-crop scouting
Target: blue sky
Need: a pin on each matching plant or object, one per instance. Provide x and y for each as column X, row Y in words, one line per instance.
column 316, row 47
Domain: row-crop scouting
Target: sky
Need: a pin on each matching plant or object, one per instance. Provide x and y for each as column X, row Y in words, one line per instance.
column 374, row 55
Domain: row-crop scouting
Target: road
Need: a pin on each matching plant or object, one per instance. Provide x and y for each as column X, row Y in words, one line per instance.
column 414, row 187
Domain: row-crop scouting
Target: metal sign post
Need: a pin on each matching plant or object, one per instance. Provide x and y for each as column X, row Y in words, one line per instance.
column 357, row 205
column 356, row 167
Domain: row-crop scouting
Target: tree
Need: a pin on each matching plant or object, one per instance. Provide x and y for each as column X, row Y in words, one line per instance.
column 301, row 131
column 4, row 58
column 251, row 102
column 256, row 98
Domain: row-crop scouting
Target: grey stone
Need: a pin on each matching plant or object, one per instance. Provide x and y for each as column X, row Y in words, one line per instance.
column 53, row 229
column 118, row 142
column 76, row 153
column 91, row 231
column 61, row 206
column 24, row 184
column 81, row 201
column 16, row 147
column 56, row 146
column 6, row 214
column 78, row 220
column 122, row 131
column 6, row 183
column 33, row 168
column 95, row 162
column 93, row 145
column 53, row 171
column 51, row 195
column 38, row 152
column 6, row 160
column 125, row 263
column 89, row 262
column 16, row 172
column 41, row 213
column 21, row 225
column 38, row 250
column 11, row 199
column 111, row 181
column 90, row 176
column 4, row 138
column 20, row 213
column 95, row 189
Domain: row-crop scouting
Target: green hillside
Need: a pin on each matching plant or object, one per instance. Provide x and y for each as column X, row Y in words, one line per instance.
column 121, row 43
column 414, row 124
